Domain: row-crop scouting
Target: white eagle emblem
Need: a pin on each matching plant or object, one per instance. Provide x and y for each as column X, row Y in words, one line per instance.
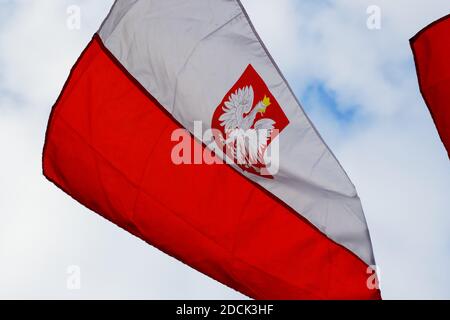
column 238, row 120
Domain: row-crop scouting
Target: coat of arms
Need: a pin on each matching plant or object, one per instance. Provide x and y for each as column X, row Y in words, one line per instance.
column 248, row 119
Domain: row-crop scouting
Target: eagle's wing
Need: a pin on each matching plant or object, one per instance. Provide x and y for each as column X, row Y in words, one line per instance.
column 238, row 104
column 263, row 128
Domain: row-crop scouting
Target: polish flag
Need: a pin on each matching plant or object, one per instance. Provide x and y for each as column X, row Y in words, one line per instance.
column 146, row 134
column 431, row 49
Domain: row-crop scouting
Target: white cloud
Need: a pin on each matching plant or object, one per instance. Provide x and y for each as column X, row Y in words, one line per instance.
column 392, row 152
column 331, row 43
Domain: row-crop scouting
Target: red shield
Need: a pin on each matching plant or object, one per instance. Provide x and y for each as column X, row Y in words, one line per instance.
column 247, row 106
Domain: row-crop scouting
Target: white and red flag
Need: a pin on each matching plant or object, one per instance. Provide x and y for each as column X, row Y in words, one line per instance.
column 281, row 220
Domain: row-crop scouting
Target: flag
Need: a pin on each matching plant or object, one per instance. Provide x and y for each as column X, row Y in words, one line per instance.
column 147, row 132
column 431, row 49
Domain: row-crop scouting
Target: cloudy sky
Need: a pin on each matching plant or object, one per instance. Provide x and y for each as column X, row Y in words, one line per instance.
column 358, row 85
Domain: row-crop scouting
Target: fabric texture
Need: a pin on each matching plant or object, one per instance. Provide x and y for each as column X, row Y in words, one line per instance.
column 108, row 145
